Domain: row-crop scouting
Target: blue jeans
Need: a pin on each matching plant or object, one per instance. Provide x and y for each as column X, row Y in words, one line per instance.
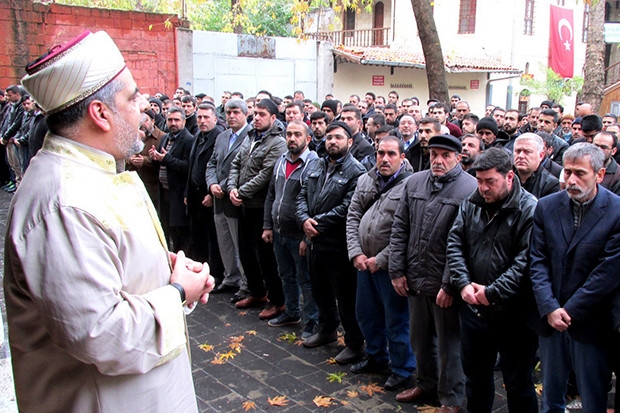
column 383, row 317
column 293, row 270
column 559, row 354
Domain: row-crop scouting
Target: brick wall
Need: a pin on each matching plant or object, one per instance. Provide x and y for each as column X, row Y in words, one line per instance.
column 29, row 29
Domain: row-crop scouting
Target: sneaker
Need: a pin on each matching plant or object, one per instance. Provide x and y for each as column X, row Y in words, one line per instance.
column 283, row 320
column 309, row 330
column 271, row 311
column 11, row 187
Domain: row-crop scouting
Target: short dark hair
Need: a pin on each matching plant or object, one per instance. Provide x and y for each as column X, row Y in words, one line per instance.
column 475, row 136
column 547, row 138
column 493, row 158
column 470, row 116
column 610, row 134
column 318, row 114
column 297, row 103
column 497, row 108
column 394, row 92
column 440, row 105
column 611, row 115
column 390, row 138
column 557, row 105
column 430, row 120
column 16, row 89
column 188, row 99
column 371, row 94
column 176, row 109
column 207, row 106
column 550, row 112
column 385, row 129
column 352, row 108
column 390, row 106
column 378, row 119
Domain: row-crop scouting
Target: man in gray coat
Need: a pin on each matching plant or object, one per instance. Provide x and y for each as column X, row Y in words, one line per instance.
column 381, row 313
column 418, row 270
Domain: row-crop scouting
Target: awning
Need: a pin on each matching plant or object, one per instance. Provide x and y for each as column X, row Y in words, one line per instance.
column 381, row 56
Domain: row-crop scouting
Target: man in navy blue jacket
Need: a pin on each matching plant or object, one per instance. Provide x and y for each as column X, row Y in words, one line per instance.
column 575, row 256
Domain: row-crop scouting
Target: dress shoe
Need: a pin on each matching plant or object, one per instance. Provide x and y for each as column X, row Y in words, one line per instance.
column 370, row 365
column 395, row 382
column 238, row 296
column 271, row 311
column 319, row 339
column 350, row 355
column 223, row 288
column 449, row 409
column 411, row 395
column 251, row 301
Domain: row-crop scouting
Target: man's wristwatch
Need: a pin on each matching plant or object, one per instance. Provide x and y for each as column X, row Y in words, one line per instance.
column 181, row 290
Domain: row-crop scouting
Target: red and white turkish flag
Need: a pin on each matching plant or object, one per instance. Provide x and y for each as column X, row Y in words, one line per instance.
column 561, row 41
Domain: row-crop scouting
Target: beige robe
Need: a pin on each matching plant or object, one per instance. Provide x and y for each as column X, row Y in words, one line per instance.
column 93, row 324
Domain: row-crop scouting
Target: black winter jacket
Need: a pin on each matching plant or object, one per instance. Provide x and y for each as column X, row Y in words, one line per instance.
column 327, row 201
column 493, row 251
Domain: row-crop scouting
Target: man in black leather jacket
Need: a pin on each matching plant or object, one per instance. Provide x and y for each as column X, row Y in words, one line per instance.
column 488, row 258
column 322, row 206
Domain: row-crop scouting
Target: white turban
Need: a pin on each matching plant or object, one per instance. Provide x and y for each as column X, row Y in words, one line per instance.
column 70, row 73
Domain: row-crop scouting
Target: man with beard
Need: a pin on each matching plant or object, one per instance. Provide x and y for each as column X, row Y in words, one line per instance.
column 172, row 155
column 422, row 221
column 94, row 298
column 141, row 162
column 491, row 135
column 250, row 173
column 511, row 127
column 575, row 255
column 390, row 112
column 472, row 147
column 322, row 207
column 469, row 122
column 280, row 228
column 608, row 143
column 487, row 253
column 529, row 153
column 203, row 237
column 499, row 114
column 318, row 124
column 330, row 108
column 381, row 313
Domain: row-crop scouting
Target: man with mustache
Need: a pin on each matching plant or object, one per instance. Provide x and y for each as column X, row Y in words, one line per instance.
column 575, row 255
column 322, row 206
column 487, row 255
column 426, row 211
column 381, row 313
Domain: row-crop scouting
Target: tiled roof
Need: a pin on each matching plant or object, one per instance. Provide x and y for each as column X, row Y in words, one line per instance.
column 381, row 56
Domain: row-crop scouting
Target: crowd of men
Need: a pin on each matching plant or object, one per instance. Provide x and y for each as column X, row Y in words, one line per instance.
column 436, row 238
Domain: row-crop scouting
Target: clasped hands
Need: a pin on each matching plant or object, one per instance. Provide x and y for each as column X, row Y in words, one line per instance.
column 193, row 276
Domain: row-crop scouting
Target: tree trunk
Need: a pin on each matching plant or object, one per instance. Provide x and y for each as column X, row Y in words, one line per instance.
column 237, row 14
column 431, row 47
column 594, row 66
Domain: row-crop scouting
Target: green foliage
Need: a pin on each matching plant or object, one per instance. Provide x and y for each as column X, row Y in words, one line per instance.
column 554, row 87
column 258, row 17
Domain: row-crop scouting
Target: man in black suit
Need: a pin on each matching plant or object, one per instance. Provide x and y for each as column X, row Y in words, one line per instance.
column 173, row 157
column 575, row 256
column 203, row 239
column 226, row 215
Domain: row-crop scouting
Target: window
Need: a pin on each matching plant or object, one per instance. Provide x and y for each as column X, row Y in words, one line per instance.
column 586, row 20
column 467, row 17
column 349, row 22
column 528, row 20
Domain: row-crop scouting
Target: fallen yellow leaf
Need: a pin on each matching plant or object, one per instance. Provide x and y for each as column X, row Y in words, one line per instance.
column 427, row 409
column 352, row 393
column 227, row 356
column 218, row 360
column 341, row 340
column 236, row 339
column 242, row 313
column 372, row 388
column 206, row 347
column 538, row 388
column 332, row 361
column 251, row 332
column 344, row 402
column 249, row 405
column 322, row 401
column 278, row 401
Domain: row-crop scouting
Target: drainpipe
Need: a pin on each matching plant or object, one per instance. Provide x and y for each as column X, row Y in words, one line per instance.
column 489, row 87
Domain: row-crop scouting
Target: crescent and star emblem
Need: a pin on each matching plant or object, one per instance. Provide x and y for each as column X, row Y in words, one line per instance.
column 565, row 23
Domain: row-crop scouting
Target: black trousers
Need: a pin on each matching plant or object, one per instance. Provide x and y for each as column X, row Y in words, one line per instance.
column 203, row 245
column 334, row 288
column 257, row 258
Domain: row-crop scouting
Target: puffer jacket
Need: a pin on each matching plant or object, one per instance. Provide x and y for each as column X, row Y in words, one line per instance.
column 281, row 202
column 493, row 251
column 368, row 230
column 327, row 201
column 420, row 230
column 251, row 170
